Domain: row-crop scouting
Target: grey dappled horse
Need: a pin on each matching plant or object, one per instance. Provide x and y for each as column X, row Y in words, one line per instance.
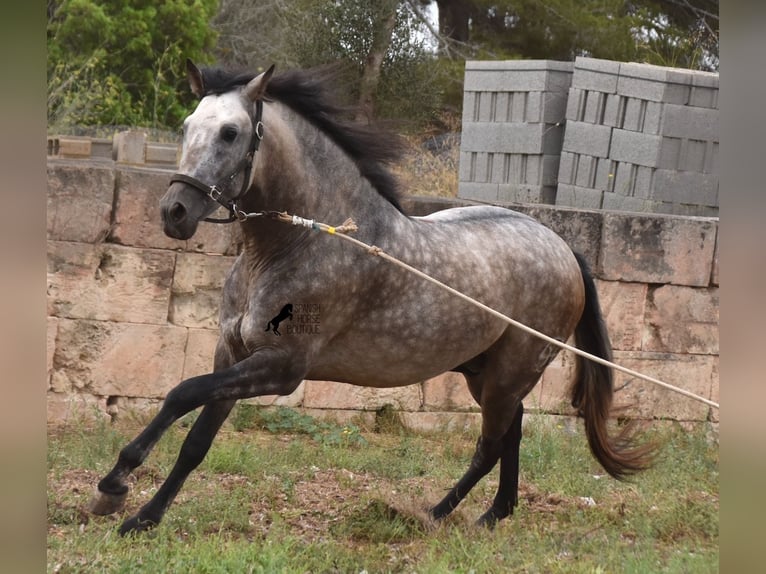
column 266, row 143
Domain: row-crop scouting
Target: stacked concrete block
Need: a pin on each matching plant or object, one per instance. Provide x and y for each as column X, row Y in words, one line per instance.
column 640, row 138
column 513, row 114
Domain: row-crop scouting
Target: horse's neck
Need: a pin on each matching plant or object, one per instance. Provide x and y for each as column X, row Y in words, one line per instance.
column 307, row 174
column 303, row 173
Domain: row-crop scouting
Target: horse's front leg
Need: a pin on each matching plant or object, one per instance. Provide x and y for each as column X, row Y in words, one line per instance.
column 266, row 372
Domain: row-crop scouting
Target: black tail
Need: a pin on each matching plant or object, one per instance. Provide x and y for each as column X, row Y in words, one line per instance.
column 593, row 389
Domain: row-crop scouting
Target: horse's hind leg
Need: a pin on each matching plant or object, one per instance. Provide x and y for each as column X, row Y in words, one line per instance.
column 484, row 459
column 489, row 448
column 507, row 496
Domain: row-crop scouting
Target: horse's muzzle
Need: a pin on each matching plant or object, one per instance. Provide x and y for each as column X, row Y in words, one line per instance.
column 178, row 219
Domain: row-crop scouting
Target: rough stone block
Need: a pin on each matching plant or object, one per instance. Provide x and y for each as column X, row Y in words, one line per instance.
column 130, row 147
column 50, row 346
column 693, row 373
column 118, row 359
column 477, row 191
column 162, row 153
column 441, row 422
column 685, row 187
column 587, row 139
column 622, row 305
column 551, row 394
column 521, row 193
column 580, row 197
column 447, row 392
column 625, row 203
column 681, row 319
column 595, row 74
column 715, row 391
column 137, row 209
column 63, row 408
column 714, row 273
column 79, row 201
column 293, row 400
column 196, row 291
column 72, row 147
column 109, row 282
column 581, row 229
column 200, row 352
column 331, row 395
column 138, row 222
column 657, row 249
column 689, row 122
column 635, row 147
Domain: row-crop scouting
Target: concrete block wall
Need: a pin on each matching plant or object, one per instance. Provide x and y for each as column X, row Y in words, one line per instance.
column 640, row 138
column 131, row 312
column 636, row 137
column 512, row 129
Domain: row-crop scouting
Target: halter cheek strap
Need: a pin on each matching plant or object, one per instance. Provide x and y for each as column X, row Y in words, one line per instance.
column 215, row 191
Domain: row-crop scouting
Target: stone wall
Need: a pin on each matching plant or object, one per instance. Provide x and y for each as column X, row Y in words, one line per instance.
column 132, row 312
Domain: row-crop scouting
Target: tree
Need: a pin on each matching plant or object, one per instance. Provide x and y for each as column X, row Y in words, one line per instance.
column 119, row 62
column 380, row 46
column 670, row 32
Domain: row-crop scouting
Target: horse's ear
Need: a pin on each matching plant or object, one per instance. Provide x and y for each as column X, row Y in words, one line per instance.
column 196, row 82
column 256, row 88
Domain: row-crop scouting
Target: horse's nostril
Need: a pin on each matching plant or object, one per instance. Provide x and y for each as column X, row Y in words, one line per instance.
column 177, row 213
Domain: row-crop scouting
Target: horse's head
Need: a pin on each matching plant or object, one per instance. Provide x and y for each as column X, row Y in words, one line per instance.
column 220, row 139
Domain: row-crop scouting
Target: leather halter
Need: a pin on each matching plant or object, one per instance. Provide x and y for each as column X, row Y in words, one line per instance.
column 215, row 191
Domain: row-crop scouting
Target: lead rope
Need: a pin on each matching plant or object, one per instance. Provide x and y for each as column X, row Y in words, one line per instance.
column 348, row 226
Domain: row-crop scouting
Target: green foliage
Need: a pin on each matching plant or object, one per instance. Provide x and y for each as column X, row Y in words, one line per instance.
column 555, row 29
column 281, row 420
column 121, row 62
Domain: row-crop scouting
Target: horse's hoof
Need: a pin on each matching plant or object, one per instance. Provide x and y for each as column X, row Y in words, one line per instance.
column 487, row 520
column 103, row 503
column 134, row 525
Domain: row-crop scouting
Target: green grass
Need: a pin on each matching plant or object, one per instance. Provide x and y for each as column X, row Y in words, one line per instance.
column 292, row 498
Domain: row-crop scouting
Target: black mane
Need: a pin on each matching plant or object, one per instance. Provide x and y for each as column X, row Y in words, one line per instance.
column 307, row 92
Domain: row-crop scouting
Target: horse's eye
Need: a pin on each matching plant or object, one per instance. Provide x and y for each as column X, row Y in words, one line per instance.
column 229, row 134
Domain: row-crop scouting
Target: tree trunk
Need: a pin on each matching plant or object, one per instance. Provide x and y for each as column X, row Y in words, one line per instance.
column 453, row 19
column 381, row 40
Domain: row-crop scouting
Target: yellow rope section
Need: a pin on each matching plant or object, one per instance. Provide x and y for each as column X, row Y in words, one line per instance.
column 348, row 226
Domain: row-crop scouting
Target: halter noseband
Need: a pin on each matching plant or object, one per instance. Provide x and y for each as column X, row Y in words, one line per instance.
column 214, row 191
